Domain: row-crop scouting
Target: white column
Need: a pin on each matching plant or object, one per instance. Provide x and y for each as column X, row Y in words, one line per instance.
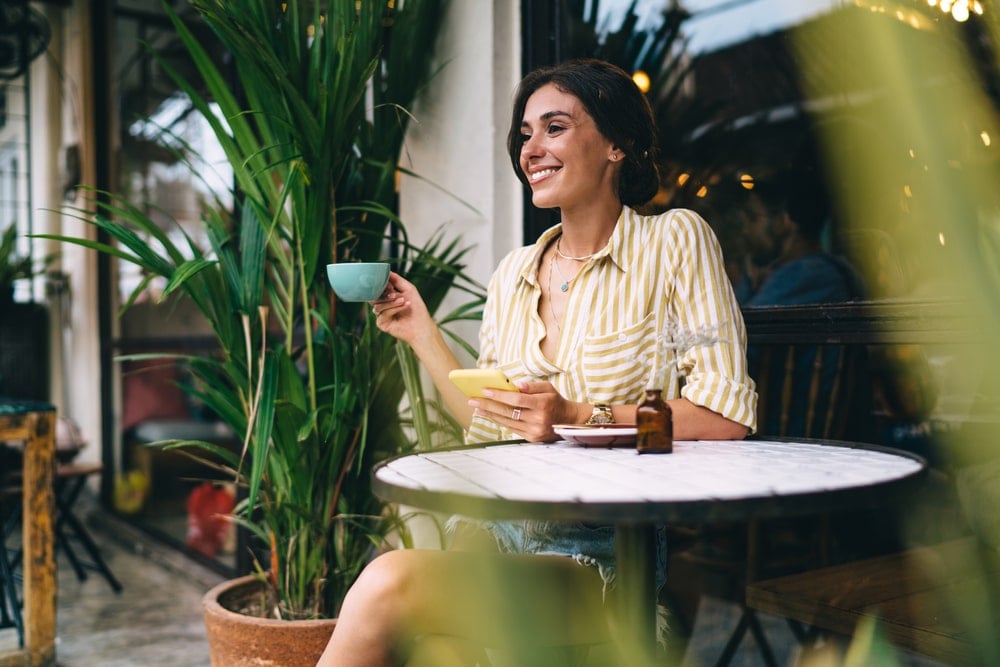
column 458, row 142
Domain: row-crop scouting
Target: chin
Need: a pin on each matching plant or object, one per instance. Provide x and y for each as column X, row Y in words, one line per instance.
column 539, row 200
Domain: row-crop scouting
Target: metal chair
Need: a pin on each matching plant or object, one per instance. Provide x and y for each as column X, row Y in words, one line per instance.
column 70, row 479
column 10, row 603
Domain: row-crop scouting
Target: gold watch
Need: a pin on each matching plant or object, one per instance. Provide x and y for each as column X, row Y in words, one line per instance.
column 601, row 415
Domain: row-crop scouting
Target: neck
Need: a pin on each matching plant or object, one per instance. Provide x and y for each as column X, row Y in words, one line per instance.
column 586, row 232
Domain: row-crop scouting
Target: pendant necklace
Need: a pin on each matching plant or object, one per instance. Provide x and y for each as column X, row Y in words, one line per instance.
column 564, row 285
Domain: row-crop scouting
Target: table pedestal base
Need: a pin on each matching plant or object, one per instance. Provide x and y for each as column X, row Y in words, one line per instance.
column 635, row 613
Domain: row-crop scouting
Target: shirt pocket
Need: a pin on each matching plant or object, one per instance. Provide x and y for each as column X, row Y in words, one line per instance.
column 617, row 365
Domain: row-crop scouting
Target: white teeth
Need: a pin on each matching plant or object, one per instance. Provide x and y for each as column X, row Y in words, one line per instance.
column 541, row 174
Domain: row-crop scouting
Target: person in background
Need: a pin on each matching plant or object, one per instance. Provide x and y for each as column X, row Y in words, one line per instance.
column 786, row 263
column 582, row 321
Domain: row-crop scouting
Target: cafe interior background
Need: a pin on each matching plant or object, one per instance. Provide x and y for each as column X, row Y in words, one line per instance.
column 893, row 101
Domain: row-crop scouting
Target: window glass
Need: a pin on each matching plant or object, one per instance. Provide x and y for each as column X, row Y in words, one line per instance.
column 158, row 131
column 159, row 138
column 815, row 136
column 15, row 209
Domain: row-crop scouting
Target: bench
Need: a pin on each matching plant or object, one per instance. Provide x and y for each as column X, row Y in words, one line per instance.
column 912, row 593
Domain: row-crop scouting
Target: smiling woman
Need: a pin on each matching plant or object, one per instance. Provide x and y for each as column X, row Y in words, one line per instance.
column 576, row 322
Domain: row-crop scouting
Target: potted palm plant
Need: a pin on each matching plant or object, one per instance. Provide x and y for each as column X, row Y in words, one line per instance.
column 16, row 266
column 307, row 381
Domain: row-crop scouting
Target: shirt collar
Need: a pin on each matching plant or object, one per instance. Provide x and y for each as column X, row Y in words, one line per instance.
column 616, row 249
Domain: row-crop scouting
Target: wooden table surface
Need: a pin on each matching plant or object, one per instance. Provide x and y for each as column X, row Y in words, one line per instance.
column 700, row 481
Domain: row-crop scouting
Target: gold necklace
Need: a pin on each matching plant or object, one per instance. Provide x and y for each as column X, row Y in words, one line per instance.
column 582, row 258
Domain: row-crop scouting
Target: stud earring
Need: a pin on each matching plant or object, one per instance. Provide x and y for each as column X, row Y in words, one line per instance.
column 614, row 157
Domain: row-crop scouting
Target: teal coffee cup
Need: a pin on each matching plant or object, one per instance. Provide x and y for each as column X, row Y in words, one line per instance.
column 358, row 281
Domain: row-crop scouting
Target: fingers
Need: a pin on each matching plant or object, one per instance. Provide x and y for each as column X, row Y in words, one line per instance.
column 536, row 387
column 390, row 301
column 519, row 415
column 506, row 407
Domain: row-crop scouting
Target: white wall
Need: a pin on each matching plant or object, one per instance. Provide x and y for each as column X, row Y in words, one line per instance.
column 60, row 116
column 458, row 143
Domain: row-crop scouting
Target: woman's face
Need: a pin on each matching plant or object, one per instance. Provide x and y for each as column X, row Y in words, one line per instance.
column 567, row 161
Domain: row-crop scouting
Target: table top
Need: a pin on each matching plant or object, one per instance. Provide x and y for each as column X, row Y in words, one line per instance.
column 700, row 481
column 13, row 406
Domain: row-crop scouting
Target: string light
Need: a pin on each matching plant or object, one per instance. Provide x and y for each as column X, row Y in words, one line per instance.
column 960, row 10
column 641, row 80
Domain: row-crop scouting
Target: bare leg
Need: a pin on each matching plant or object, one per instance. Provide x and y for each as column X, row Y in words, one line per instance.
column 490, row 599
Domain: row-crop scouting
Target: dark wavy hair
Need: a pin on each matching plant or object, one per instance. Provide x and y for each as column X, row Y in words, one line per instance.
column 619, row 108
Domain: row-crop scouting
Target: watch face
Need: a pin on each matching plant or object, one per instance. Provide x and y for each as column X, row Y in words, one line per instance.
column 602, row 415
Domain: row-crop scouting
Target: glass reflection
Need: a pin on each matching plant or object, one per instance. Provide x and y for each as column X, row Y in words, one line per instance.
column 746, row 90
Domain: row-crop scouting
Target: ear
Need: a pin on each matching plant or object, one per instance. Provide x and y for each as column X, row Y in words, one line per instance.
column 616, row 154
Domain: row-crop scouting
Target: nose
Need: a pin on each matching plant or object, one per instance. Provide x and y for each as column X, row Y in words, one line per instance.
column 530, row 146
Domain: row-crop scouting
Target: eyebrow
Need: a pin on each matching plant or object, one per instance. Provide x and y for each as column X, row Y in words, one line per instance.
column 549, row 115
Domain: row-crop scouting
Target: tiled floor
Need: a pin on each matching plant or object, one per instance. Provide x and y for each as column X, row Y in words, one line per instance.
column 156, row 620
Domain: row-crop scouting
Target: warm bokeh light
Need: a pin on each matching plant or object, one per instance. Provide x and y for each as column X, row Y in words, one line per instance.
column 682, row 179
column 641, row 80
column 960, row 10
column 702, row 191
column 746, row 180
column 985, row 137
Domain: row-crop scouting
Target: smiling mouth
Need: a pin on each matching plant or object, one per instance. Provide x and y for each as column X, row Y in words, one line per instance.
column 539, row 175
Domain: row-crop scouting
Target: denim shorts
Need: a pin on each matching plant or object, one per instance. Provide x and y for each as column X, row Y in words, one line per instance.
column 590, row 545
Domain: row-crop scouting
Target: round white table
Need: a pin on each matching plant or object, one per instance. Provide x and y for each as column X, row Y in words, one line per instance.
column 701, row 481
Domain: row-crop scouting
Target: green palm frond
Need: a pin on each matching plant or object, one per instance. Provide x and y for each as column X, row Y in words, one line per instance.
column 310, row 384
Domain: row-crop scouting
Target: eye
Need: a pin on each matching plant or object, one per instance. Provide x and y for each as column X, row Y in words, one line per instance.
column 555, row 128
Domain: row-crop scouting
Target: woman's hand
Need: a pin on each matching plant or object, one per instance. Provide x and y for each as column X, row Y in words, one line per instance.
column 401, row 312
column 531, row 411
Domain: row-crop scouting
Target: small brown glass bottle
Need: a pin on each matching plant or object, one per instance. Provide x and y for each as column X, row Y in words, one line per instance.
column 654, row 424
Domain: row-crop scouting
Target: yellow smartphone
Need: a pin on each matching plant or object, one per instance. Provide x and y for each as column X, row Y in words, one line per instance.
column 472, row 381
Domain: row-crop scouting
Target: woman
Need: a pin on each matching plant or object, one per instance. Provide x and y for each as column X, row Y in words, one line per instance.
column 601, row 306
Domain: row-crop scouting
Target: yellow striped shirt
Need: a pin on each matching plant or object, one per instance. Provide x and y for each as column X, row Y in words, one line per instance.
column 653, row 308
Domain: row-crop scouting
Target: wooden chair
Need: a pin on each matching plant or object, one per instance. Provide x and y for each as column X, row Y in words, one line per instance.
column 810, row 387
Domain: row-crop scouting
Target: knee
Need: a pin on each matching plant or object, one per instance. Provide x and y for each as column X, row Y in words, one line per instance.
column 382, row 584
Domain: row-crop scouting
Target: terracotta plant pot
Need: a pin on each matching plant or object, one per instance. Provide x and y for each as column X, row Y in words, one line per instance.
column 235, row 639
